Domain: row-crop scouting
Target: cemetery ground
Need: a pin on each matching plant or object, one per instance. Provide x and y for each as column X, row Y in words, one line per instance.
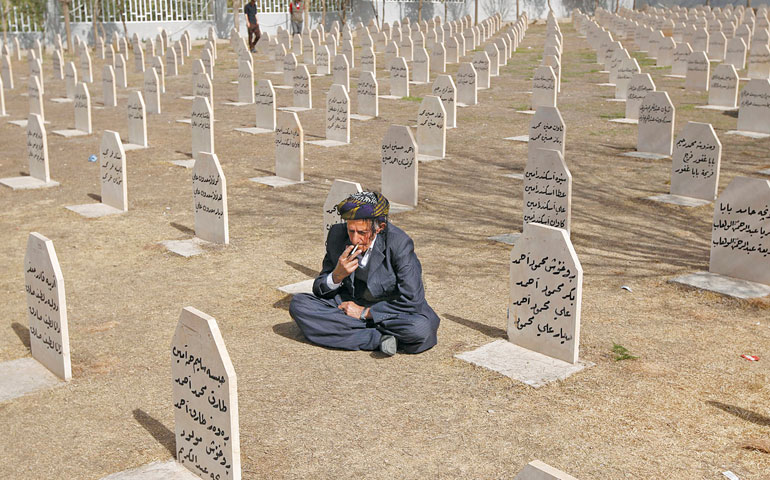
column 687, row 407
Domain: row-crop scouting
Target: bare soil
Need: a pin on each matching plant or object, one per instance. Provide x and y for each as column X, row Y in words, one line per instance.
column 688, row 407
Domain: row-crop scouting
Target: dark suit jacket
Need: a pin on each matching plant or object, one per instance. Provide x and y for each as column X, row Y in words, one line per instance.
column 395, row 274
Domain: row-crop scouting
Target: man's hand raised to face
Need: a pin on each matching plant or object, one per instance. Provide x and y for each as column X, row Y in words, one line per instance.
column 346, row 265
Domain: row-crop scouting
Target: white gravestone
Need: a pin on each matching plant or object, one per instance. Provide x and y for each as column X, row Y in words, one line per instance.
column 546, row 283
column 391, row 52
column 431, row 128
column 546, row 131
column 172, row 67
column 36, row 70
column 108, row 86
column 70, row 79
column 152, row 90
column 202, row 123
column 553, row 62
column 37, row 156
column 640, row 85
column 203, row 88
column 656, row 124
column 754, row 108
column 537, row 470
column 341, row 75
column 438, row 58
column 543, row 87
column 736, row 53
column 493, row 53
column 368, row 91
column 36, row 104
column 467, row 93
column 121, row 80
column 82, row 107
column 138, row 58
column 420, row 66
column 289, row 148
column 368, row 60
column 547, row 190
column 208, row 62
column 723, row 87
column 695, row 162
column 137, row 122
column 245, row 83
column 289, row 65
column 628, row 68
column 759, row 60
column 339, row 191
column 322, row 63
column 740, row 244
column 7, row 71
column 85, row 67
column 302, row 90
column 399, row 78
column 452, row 54
column 481, row 64
column 308, row 51
column 58, row 65
column 698, row 72
column 666, row 52
column 399, row 166
column 112, row 169
column 717, row 46
column 265, row 102
column 46, row 306
column 444, row 88
column 205, row 399
column 338, row 115
column 157, row 64
column 210, row 199
column 681, row 55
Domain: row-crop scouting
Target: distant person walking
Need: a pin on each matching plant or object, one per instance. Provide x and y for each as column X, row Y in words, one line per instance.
column 297, row 10
column 250, row 10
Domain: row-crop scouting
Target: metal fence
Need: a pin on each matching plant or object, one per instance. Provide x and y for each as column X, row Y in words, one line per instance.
column 23, row 19
column 144, row 10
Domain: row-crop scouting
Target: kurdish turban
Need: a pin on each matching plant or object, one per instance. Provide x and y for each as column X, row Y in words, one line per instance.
column 364, row 205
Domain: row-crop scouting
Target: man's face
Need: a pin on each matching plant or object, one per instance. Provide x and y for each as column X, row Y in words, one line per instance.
column 361, row 234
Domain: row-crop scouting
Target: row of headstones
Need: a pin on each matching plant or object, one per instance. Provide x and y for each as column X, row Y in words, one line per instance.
column 722, row 85
column 206, row 427
column 674, row 51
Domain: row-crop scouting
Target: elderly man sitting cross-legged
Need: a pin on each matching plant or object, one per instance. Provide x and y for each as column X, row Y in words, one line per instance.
column 369, row 294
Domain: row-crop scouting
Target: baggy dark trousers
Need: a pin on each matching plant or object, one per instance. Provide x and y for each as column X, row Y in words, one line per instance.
column 255, row 33
column 325, row 324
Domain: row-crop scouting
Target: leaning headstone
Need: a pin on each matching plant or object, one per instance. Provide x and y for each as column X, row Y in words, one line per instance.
column 431, row 129
column 695, row 162
column 399, row 78
column 205, row 399
column 210, row 199
column 656, row 125
column 546, row 283
column 108, row 86
column 339, row 191
column 152, row 90
column 467, row 93
column 46, row 306
column 37, row 156
column 137, row 122
column 341, row 75
column 546, row 131
column 754, row 107
column 547, row 190
column 367, row 93
column 202, row 123
column 723, row 88
column 698, row 72
column 399, row 166
column 543, row 87
column 740, row 246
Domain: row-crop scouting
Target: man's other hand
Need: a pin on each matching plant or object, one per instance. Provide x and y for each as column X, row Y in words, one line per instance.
column 345, row 265
column 351, row 309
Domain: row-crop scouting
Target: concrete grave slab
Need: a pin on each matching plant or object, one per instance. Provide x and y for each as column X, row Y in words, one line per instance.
column 94, row 210
column 186, row 248
column 516, row 176
column 506, row 238
column 537, row 470
column 679, row 200
column 168, row 470
column 519, row 138
column 305, row 286
column 24, row 376
column 184, row 163
column 518, row 363
column 732, row 287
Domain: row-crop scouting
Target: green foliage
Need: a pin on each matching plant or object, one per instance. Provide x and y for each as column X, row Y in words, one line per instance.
column 622, row 353
column 413, row 99
column 611, row 116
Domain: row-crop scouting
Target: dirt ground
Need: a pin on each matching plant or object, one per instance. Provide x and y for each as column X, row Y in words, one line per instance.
column 683, row 409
